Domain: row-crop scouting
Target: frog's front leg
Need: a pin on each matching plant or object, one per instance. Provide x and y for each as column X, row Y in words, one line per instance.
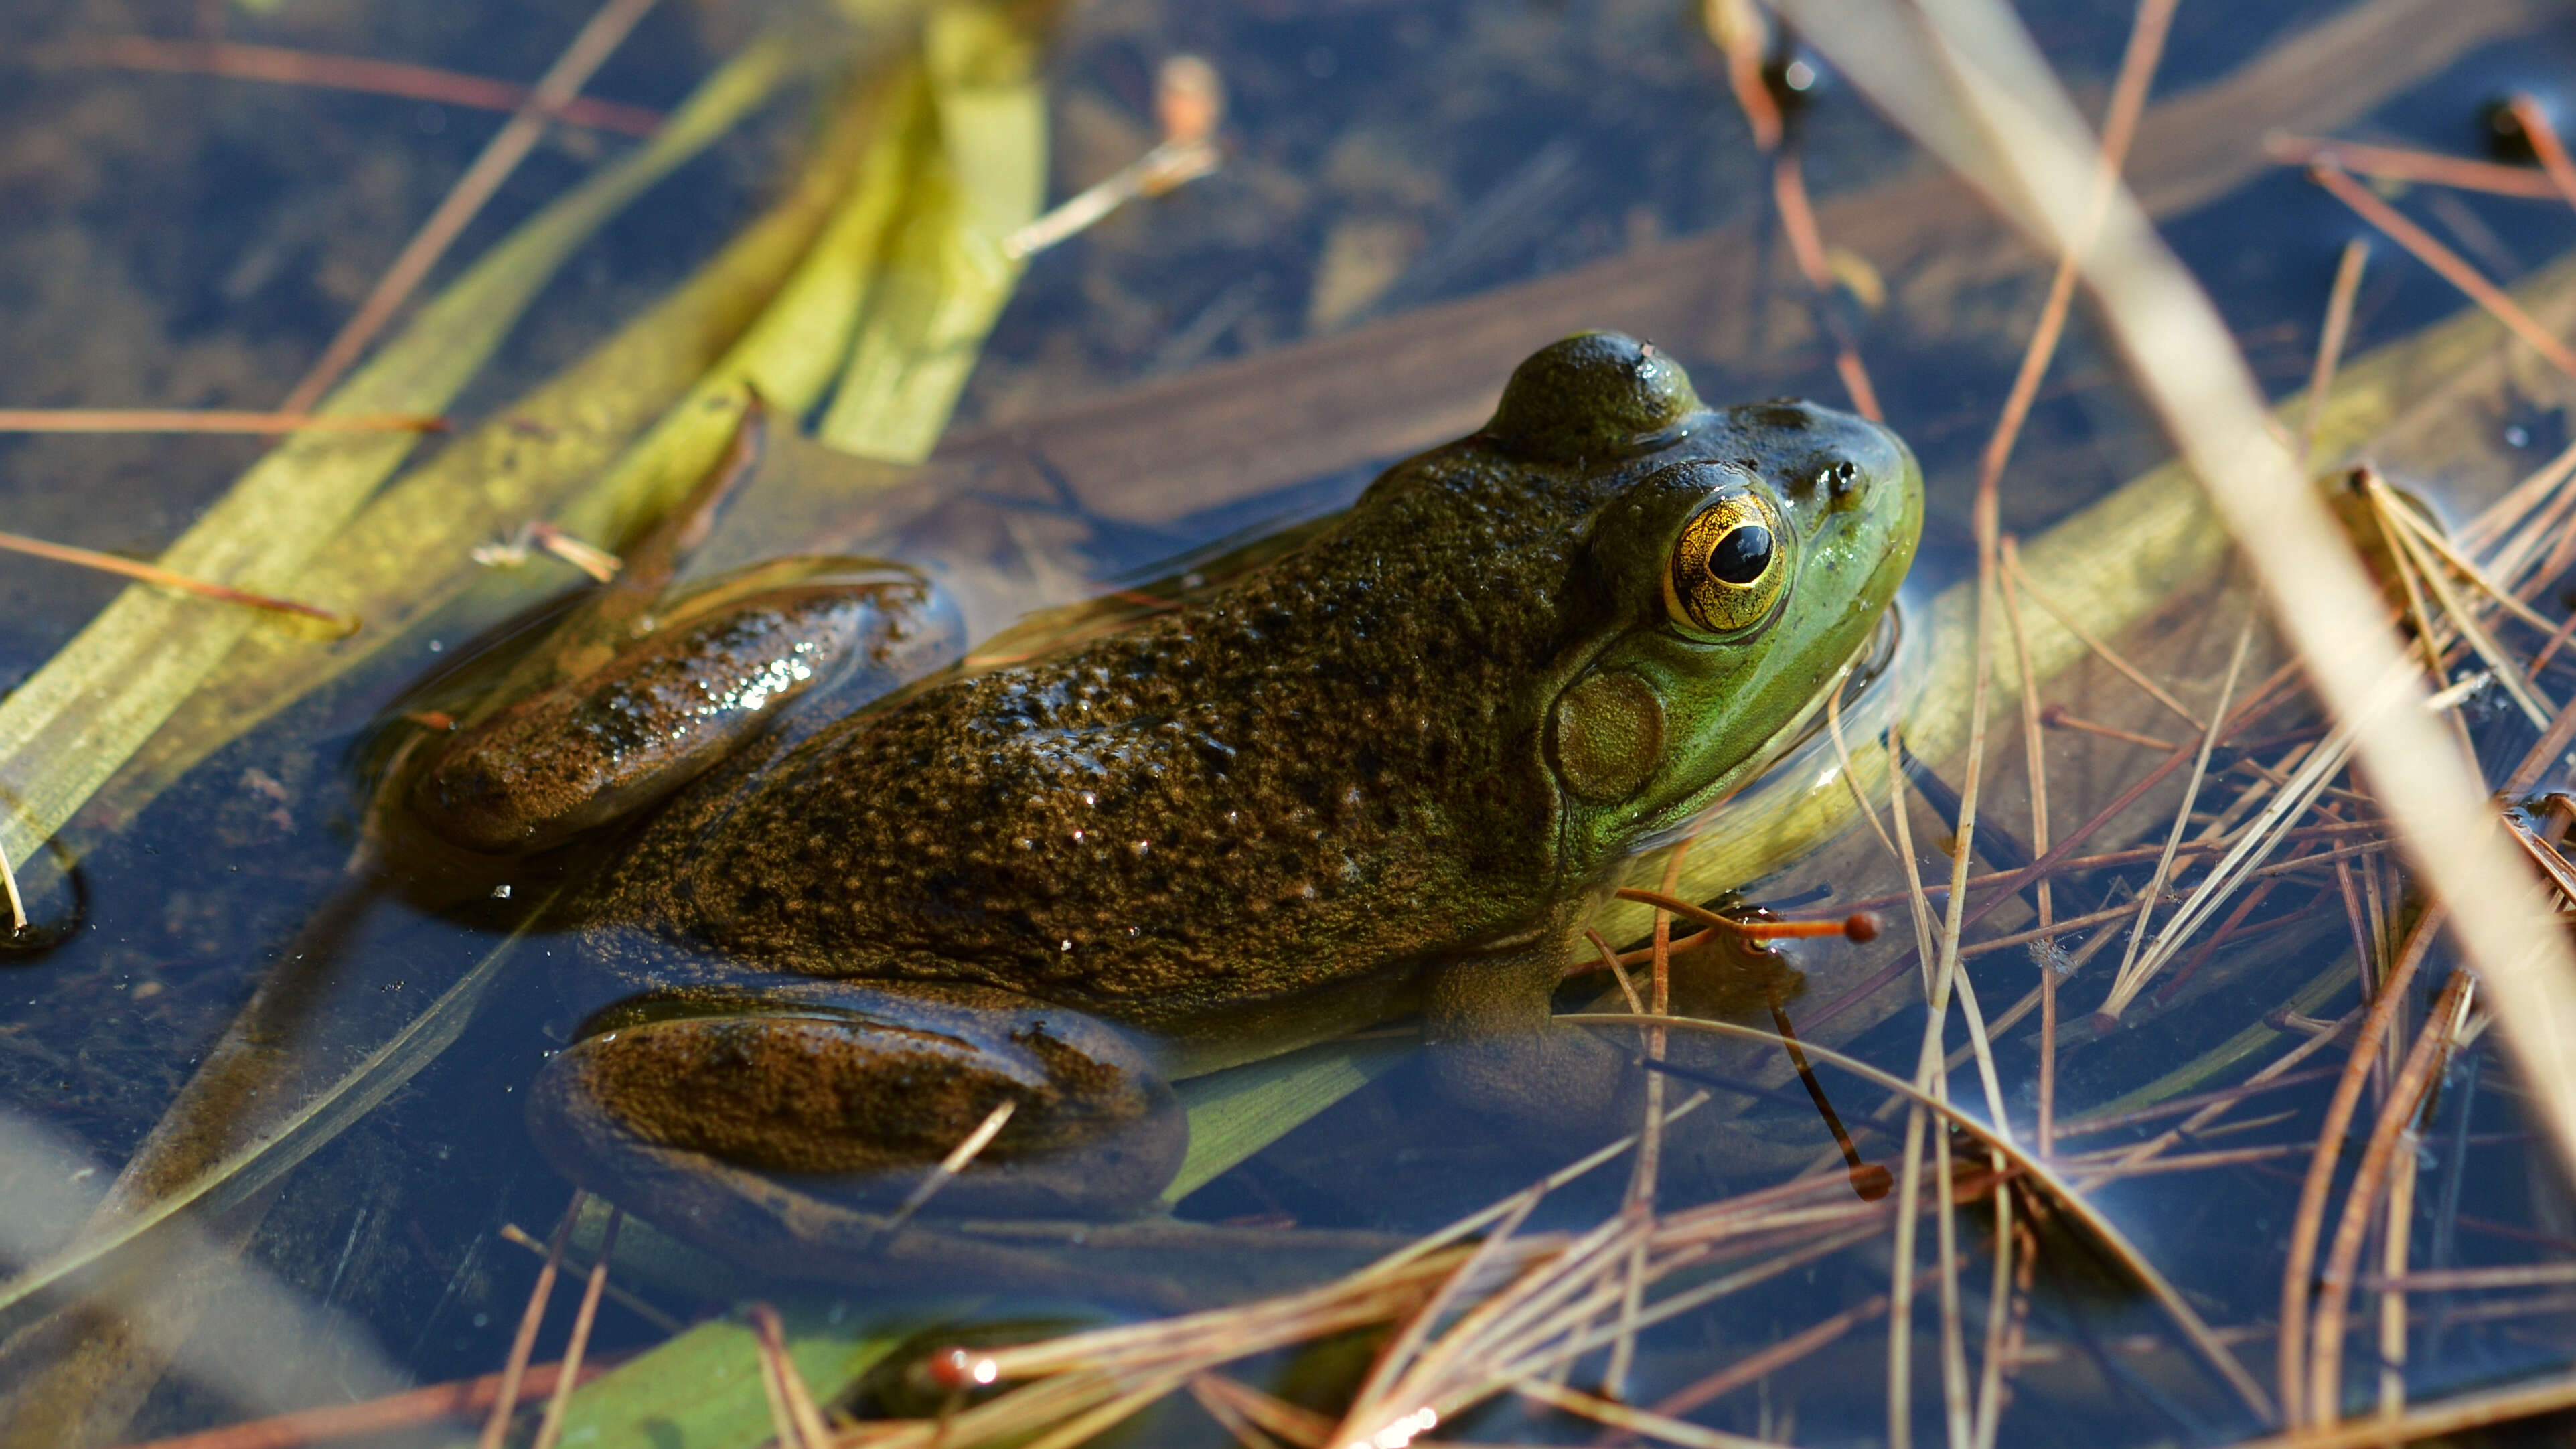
column 713, row 669
column 855, row 1090
column 1497, row 1047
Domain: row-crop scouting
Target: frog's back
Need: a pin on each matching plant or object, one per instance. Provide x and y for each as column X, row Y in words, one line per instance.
column 1330, row 766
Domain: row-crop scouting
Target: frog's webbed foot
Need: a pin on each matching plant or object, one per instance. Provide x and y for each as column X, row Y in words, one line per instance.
column 1496, row 1047
column 856, row 1090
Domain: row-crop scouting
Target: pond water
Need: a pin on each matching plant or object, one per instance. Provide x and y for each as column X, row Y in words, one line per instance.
column 1413, row 196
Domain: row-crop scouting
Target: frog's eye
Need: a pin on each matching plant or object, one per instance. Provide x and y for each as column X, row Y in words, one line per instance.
column 1726, row 571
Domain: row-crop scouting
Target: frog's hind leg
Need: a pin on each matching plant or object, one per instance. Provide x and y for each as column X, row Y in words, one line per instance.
column 852, row 1092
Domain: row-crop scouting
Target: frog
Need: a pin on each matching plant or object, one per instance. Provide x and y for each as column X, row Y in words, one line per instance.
column 1383, row 777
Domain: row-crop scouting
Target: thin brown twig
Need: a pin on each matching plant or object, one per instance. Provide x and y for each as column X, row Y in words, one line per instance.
column 2035, row 772
column 946, row 1172
column 2545, row 146
column 2058, row 717
column 517, row 1237
column 2405, row 1095
column 505, row 1401
column 155, row 574
column 1807, row 245
column 2073, row 1203
column 2104, row 652
column 232, row 60
column 607, row 27
column 801, row 1409
column 2330, row 341
column 2305, row 1225
column 2445, row 261
column 550, row 1427
column 409, row 1409
column 208, row 420
column 2394, row 163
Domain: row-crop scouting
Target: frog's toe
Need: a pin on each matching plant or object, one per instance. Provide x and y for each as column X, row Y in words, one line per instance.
column 859, row 1092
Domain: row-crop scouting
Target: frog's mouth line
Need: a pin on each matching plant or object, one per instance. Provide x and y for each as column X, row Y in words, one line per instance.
column 1867, row 664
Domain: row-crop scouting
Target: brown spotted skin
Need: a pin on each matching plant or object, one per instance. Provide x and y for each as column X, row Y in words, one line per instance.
column 1333, row 765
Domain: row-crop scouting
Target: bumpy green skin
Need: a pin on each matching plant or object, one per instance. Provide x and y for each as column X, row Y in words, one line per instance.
column 1392, row 769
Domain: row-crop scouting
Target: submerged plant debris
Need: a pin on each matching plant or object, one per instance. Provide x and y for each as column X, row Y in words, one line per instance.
column 2125, row 1073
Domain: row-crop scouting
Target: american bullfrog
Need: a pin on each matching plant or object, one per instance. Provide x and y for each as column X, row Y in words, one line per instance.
column 1389, row 772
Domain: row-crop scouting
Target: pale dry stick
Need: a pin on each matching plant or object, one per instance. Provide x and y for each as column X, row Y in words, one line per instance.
column 773, row 1388
column 2129, row 980
column 2546, row 148
column 2405, row 1095
column 2430, row 538
column 2442, row 259
column 2258, row 839
column 155, row 574
column 1547, row 1347
column 2300, row 1261
column 2535, row 706
column 210, row 420
column 1289, row 1422
column 2543, row 527
column 278, row 65
column 2035, row 770
column 550, row 1426
column 2046, row 1178
column 1228, row 1417
column 1404, row 1257
column 1399, row 1350
column 607, row 27
column 946, row 1172
column 2330, row 341
column 2000, row 1316
column 1807, row 247
column 517, row 1237
column 1189, row 102
column 2105, row 652
column 2202, row 1117
column 1993, row 107
column 2431, row 638
column 2056, row 717
column 2396, row 1231
column 2520, row 507
column 17, row 902
column 2457, row 1280
column 1900, row 1293
column 1637, row 1421
column 2394, row 163
column 1618, row 973
column 1957, row 1400
column 801, row 1409
column 515, row 1367
column 2543, row 753
column 1648, row 1165
column 1843, row 758
column 1915, row 897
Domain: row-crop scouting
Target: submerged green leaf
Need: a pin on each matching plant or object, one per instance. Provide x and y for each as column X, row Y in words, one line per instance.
column 979, row 176
column 702, row 1390
column 1236, row 1113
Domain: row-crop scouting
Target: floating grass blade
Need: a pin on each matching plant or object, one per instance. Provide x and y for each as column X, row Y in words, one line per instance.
column 976, row 174
column 65, row 731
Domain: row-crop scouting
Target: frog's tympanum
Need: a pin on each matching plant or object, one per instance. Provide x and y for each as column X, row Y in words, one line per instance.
column 1387, row 773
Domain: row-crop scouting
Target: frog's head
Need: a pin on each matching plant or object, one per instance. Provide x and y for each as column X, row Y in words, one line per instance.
column 1738, row 559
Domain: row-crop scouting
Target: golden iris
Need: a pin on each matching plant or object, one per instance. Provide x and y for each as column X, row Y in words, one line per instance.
column 1727, row 570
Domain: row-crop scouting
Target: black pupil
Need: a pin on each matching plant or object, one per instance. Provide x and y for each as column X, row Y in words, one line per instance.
column 1742, row 555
